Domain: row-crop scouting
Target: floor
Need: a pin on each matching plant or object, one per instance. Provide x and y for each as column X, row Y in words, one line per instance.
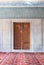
column 14, row 58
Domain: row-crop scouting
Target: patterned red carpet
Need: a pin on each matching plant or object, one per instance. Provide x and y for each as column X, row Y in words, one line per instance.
column 21, row 58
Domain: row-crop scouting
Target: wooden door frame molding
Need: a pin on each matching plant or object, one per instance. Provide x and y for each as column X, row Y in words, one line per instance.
column 19, row 20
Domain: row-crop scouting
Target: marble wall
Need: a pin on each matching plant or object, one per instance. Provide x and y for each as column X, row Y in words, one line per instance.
column 5, row 35
column 43, row 33
column 36, row 35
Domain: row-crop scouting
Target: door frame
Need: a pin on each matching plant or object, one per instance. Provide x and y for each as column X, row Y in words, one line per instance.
column 19, row 21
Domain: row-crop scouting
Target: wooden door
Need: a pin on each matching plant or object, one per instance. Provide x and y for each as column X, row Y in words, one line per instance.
column 21, row 35
column 26, row 36
column 17, row 36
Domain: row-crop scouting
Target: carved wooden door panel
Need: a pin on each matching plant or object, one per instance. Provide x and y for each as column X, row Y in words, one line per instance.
column 21, row 35
column 26, row 36
column 17, row 36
